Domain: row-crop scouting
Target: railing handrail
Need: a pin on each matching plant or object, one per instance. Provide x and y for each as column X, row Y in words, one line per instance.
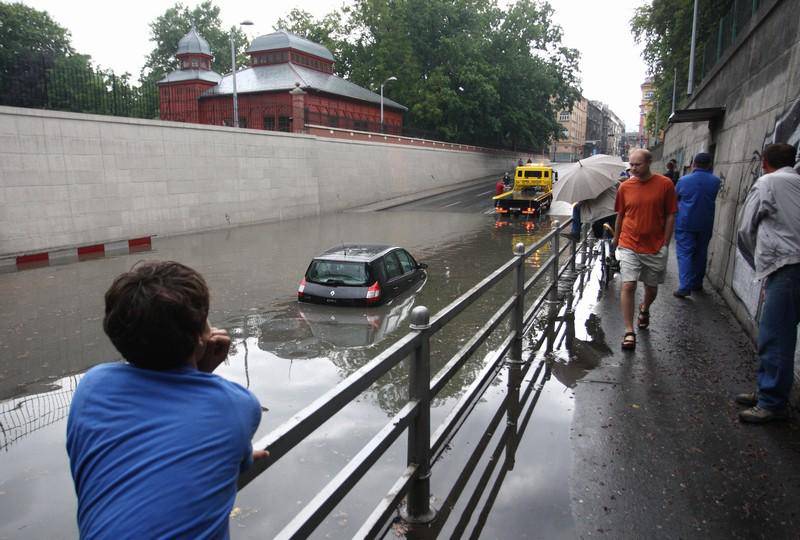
column 416, row 412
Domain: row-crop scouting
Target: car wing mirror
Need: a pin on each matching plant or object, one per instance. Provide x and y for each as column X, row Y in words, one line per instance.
column 422, row 266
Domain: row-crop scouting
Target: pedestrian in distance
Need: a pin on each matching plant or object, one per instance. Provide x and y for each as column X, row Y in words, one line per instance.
column 672, row 173
column 646, row 206
column 697, row 196
column 156, row 444
column 499, row 187
column 769, row 240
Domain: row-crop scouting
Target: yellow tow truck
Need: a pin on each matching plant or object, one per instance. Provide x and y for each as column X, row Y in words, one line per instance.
column 531, row 193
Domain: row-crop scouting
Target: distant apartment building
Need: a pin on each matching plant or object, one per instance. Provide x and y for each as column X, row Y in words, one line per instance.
column 570, row 145
column 604, row 130
column 645, row 106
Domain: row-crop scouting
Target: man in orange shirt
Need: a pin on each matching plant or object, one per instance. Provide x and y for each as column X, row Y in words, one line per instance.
column 646, row 206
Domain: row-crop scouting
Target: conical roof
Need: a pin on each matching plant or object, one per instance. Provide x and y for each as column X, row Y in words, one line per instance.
column 286, row 40
column 193, row 43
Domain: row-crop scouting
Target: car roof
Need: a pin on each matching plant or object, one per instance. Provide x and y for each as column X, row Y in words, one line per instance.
column 355, row 252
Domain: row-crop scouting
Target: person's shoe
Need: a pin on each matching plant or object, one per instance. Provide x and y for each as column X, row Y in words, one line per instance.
column 758, row 415
column 572, row 236
column 698, row 289
column 681, row 293
column 749, row 399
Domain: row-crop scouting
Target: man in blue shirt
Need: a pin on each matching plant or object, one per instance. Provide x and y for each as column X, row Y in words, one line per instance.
column 697, row 195
column 156, row 444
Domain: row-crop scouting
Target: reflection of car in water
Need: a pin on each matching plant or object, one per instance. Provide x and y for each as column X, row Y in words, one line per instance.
column 359, row 275
column 304, row 330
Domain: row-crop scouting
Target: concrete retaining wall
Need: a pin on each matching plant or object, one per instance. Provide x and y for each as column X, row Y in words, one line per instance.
column 75, row 179
column 758, row 82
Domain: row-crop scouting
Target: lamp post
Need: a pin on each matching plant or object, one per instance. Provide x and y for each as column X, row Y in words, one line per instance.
column 392, row 78
column 233, row 73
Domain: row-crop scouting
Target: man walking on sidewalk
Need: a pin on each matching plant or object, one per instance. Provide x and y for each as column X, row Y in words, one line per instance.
column 769, row 240
column 697, row 195
column 646, row 206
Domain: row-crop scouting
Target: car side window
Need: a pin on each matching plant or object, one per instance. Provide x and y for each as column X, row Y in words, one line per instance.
column 406, row 263
column 392, row 265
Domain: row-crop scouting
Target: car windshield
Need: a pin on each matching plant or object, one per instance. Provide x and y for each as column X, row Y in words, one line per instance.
column 338, row 273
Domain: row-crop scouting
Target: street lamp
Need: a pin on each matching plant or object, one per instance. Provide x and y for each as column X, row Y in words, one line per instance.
column 233, row 73
column 392, row 78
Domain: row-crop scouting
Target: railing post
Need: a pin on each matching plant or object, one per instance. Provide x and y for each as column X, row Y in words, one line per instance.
column 573, row 254
column 519, row 304
column 514, row 363
column 554, row 248
column 418, row 502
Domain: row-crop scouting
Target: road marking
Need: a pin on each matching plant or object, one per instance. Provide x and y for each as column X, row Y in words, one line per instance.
column 452, row 204
column 489, row 211
column 484, row 193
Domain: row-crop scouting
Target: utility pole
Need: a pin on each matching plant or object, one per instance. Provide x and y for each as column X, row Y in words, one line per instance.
column 690, row 85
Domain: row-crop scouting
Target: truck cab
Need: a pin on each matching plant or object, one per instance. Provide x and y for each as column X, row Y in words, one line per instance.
column 531, row 193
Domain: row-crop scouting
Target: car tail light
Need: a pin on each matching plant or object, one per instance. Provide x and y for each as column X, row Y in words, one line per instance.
column 302, row 287
column 374, row 293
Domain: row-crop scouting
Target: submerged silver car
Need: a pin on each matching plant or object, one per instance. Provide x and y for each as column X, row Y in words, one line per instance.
column 359, row 275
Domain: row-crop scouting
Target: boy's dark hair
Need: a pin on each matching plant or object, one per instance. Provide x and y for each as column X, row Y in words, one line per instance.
column 155, row 313
column 780, row 155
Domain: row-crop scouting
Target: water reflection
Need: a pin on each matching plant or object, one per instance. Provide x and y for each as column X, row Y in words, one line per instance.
column 288, row 354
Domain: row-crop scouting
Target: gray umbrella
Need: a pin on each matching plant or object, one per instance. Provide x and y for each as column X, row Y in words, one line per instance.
column 587, row 178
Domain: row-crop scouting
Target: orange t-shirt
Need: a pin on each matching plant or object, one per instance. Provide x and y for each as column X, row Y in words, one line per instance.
column 644, row 207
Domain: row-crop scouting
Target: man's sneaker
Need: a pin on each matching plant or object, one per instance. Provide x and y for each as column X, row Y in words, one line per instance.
column 698, row 289
column 757, row 415
column 749, row 399
column 680, row 293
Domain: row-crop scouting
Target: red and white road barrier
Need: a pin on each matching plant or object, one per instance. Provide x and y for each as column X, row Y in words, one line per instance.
column 75, row 254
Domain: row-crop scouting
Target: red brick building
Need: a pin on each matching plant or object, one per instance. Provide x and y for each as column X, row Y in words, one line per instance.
column 289, row 84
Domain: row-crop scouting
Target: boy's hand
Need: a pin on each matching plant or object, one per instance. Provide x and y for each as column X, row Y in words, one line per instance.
column 216, row 352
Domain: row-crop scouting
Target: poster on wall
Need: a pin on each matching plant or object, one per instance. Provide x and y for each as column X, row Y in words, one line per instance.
column 745, row 285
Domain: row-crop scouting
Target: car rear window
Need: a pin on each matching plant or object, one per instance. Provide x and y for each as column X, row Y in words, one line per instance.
column 338, row 273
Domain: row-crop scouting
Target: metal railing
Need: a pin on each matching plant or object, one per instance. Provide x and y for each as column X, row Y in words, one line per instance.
column 423, row 448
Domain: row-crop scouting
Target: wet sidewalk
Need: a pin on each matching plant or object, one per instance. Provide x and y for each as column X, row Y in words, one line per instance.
column 658, row 448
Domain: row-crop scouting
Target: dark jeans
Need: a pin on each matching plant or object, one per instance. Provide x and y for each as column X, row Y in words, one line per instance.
column 691, row 249
column 777, row 337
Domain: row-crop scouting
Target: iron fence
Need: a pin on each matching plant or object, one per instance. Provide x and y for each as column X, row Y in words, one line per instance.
column 22, row 416
column 424, row 448
column 724, row 34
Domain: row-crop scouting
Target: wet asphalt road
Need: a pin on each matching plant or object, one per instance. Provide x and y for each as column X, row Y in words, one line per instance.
column 658, row 450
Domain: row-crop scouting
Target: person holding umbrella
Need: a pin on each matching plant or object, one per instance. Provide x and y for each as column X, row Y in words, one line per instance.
column 646, row 205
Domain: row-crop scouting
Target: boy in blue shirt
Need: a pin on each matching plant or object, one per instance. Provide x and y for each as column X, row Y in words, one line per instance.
column 156, row 444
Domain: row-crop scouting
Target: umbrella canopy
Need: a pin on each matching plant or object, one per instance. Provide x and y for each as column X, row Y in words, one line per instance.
column 599, row 207
column 587, row 178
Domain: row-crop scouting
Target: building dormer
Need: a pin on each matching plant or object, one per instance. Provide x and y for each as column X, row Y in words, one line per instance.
column 283, row 47
column 194, row 52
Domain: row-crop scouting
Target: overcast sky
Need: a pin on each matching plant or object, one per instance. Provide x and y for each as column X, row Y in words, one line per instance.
column 116, row 35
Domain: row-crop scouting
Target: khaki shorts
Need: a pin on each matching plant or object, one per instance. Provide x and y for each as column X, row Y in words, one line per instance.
column 648, row 268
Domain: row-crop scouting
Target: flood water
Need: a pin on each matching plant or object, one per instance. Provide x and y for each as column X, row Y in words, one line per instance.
column 288, row 355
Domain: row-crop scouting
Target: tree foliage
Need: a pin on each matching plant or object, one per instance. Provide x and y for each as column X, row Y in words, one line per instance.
column 168, row 28
column 664, row 28
column 468, row 70
column 40, row 68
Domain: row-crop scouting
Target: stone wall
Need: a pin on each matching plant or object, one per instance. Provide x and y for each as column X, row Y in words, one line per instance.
column 758, row 83
column 76, row 179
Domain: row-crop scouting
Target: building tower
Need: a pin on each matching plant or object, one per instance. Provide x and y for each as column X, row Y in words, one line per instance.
column 179, row 90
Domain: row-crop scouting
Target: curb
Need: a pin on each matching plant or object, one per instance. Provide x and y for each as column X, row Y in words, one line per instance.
column 75, row 254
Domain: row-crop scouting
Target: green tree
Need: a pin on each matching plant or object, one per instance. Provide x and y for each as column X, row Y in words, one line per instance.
column 468, row 70
column 30, row 41
column 167, row 30
column 664, row 28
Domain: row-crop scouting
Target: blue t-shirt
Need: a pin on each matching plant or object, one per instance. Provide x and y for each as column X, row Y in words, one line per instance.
column 156, row 454
column 697, row 197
